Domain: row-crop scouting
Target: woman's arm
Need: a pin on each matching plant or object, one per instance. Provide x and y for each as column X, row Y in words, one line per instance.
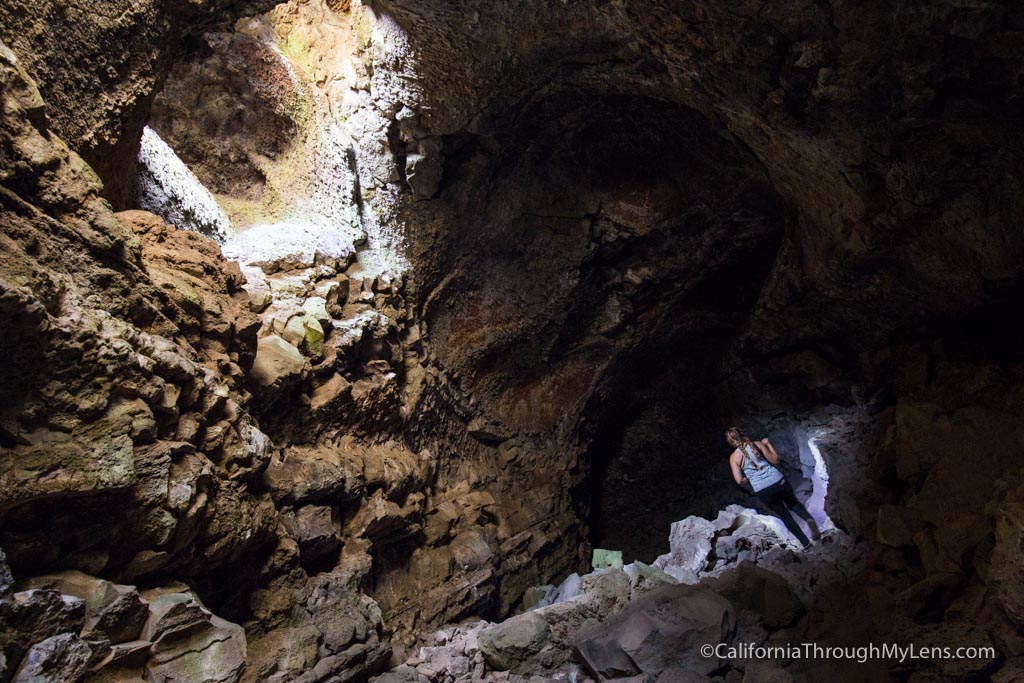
column 737, row 471
column 769, row 451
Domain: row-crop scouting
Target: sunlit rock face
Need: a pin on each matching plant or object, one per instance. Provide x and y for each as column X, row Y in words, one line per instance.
column 499, row 275
column 167, row 187
column 287, row 121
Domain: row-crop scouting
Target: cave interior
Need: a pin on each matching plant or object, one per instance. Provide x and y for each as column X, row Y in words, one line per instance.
column 395, row 341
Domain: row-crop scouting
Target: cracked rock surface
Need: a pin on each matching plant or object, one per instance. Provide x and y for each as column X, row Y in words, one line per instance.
column 490, row 281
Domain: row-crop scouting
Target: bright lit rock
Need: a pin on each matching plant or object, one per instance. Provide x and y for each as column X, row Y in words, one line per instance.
column 169, row 189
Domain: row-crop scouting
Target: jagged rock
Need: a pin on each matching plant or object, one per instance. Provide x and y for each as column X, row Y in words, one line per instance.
column 328, row 393
column 276, row 362
column 763, row 592
column 288, row 246
column 689, row 543
column 306, row 332
column 319, row 630
column 31, row 616
column 316, row 529
column 190, row 643
column 305, row 475
column 662, row 629
column 643, row 578
column 568, row 589
column 511, row 642
column 55, row 660
column 112, row 612
column 1007, row 564
column 700, row 192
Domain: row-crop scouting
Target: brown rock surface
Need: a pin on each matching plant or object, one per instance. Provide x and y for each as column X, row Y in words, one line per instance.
column 620, row 227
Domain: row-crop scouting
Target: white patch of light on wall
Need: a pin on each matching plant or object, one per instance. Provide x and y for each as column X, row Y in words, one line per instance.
column 169, row 189
column 819, row 482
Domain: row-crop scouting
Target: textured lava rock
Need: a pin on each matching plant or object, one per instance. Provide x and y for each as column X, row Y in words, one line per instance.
column 128, row 46
column 612, row 214
column 662, row 629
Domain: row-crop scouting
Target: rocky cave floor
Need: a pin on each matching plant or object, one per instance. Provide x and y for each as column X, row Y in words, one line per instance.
column 360, row 341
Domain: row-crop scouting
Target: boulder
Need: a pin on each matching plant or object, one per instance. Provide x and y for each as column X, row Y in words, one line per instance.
column 606, row 590
column 58, row 659
column 644, row 578
column 510, row 643
column 763, row 592
column 661, row 630
column 470, row 548
column 212, row 654
column 568, row 589
column 606, row 558
column 190, row 643
column 276, row 362
column 306, row 332
column 112, row 612
column 538, row 596
column 689, row 545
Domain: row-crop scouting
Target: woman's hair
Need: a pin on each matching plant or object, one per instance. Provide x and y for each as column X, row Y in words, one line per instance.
column 738, row 439
column 735, row 437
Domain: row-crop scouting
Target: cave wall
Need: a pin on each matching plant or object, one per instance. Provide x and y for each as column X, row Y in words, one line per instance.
column 866, row 121
column 128, row 47
column 609, row 212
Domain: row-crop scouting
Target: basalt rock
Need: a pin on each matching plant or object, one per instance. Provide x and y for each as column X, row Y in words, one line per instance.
column 100, row 111
column 497, row 276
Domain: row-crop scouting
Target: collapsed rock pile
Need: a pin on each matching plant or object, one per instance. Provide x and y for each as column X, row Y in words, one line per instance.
column 74, row 627
column 620, row 622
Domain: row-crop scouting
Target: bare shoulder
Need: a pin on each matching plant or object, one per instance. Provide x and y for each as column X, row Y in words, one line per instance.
column 735, row 455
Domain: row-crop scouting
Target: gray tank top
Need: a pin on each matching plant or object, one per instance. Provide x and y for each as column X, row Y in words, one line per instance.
column 759, row 471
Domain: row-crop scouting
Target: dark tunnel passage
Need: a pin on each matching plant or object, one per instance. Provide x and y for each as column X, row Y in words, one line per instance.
column 680, row 230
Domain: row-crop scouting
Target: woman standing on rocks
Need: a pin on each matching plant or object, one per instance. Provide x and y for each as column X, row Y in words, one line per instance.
column 757, row 462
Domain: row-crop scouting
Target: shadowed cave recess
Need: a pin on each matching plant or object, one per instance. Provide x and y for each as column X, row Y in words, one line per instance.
column 354, row 341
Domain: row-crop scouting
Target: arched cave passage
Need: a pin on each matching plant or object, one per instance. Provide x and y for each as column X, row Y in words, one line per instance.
column 633, row 233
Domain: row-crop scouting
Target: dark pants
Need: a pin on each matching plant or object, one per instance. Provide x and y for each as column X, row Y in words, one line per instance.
column 780, row 499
